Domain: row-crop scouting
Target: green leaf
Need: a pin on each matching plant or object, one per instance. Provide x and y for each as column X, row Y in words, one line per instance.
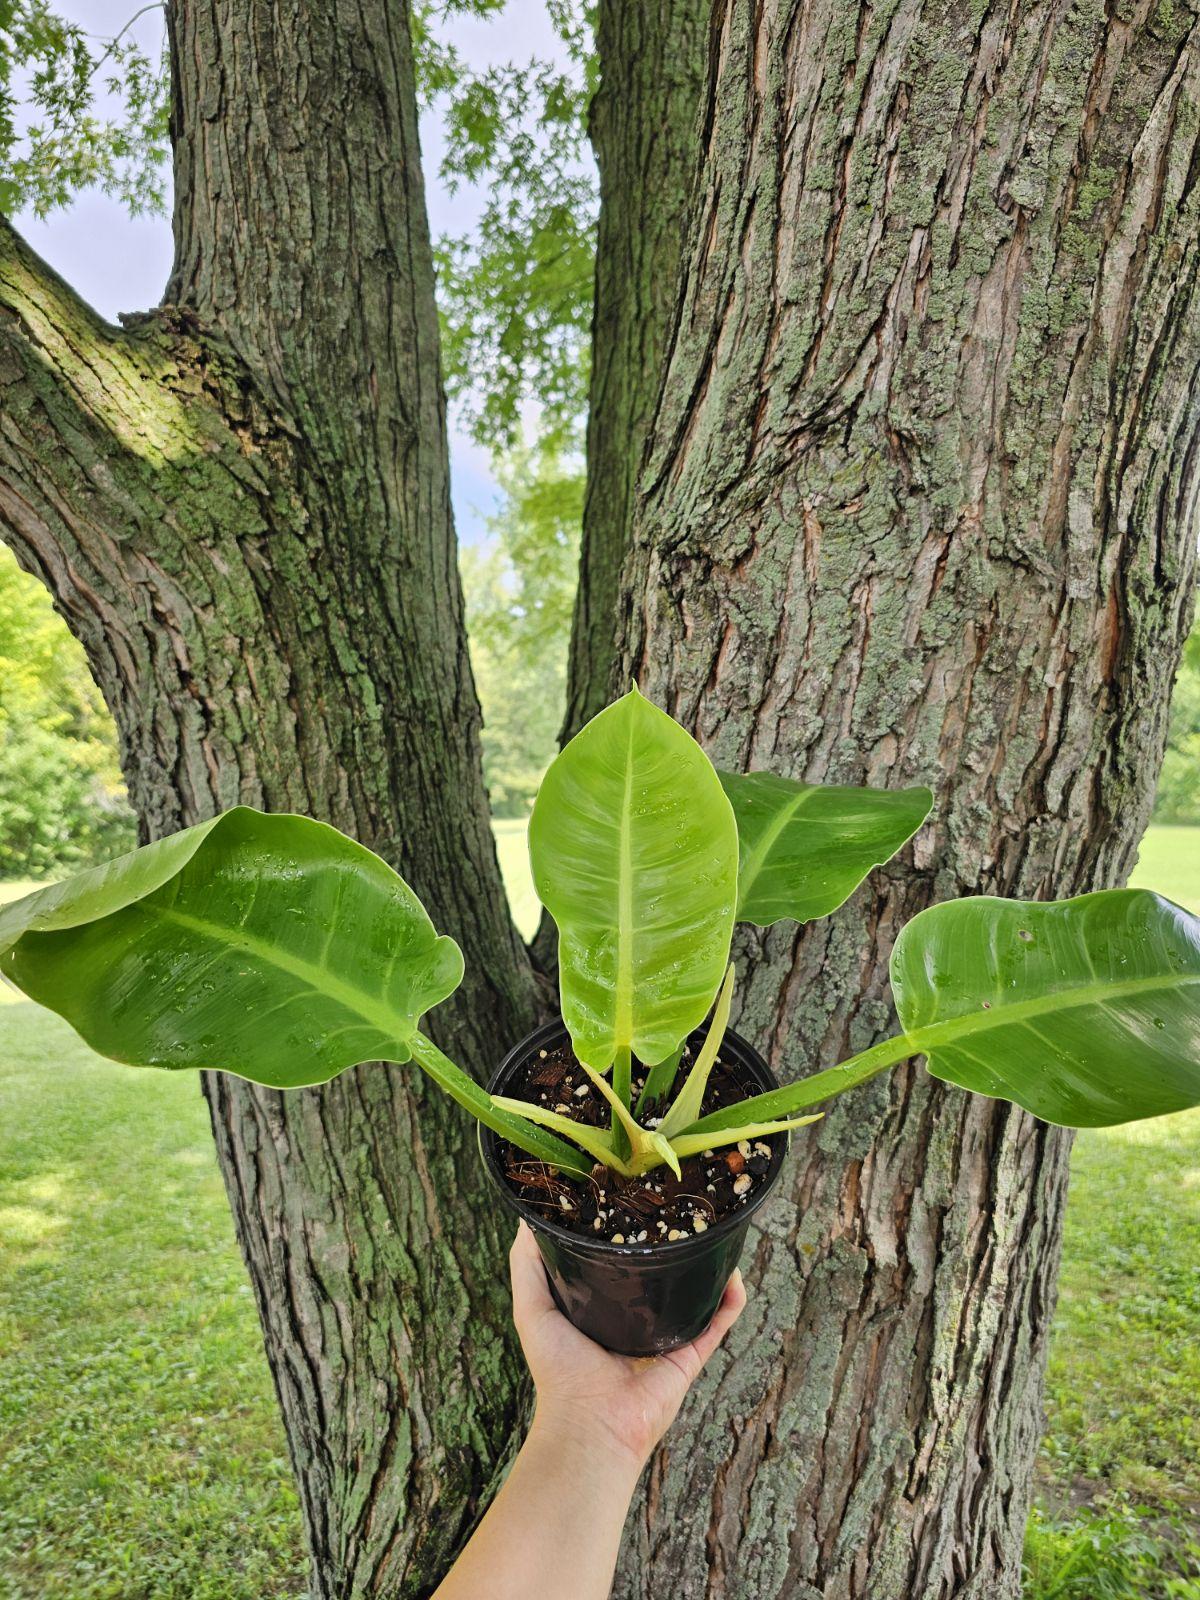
column 269, row 946
column 665, row 1152
column 272, row 947
column 805, row 848
column 1086, row 1011
column 634, row 854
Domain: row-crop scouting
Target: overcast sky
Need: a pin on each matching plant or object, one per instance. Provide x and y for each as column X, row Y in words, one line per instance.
column 119, row 263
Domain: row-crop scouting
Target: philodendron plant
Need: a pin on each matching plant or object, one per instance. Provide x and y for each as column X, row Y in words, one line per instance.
column 276, row 948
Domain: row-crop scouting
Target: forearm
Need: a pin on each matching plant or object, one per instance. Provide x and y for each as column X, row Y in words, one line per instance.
column 555, row 1526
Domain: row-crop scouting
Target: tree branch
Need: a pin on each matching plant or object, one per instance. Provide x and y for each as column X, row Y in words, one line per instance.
column 112, row 445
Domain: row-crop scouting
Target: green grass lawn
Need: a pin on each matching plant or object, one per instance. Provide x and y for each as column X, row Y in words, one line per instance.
column 514, row 868
column 1169, row 861
column 1123, row 1395
column 1118, row 1514
column 141, row 1457
column 140, row 1454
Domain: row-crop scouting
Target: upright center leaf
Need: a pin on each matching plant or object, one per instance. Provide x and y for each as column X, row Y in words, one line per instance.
column 635, row 855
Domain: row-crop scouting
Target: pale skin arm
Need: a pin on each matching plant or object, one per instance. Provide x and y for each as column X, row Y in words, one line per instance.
column 555, row 1527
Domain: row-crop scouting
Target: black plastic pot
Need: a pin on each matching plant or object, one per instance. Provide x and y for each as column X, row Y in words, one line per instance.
column 635, row 1299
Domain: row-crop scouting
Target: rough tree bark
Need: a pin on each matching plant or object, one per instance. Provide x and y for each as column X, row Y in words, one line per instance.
column 241, row 506
column 644, row 131
column 920, row 506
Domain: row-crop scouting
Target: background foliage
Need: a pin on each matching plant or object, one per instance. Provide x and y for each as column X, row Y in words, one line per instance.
column 516, row 292
column 519, row 591
column 53, row 143
column 1179, row 783
column 62, row 801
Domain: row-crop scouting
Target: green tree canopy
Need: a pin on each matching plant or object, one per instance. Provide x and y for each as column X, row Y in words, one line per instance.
column 519, row 593
column 62, row 802
column 53, row 140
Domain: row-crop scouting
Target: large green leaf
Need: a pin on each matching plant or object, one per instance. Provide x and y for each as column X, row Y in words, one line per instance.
column 1086, row 1011
column 806, row 847
column 272, row 947
column 269, row 946
column 634, row 854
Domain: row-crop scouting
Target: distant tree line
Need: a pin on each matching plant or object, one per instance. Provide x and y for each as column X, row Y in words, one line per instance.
column 62, row 801
column 1179, row 785
column 520, row 590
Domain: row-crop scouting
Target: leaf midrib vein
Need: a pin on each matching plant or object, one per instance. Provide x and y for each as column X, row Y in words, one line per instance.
column 624, row 998
column 753, row 864
column 320, row 979
column 932, row 1034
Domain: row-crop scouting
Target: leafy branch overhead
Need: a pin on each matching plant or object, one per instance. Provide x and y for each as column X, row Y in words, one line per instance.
column 516, row 292
column 54, row 142
column 276, row 948
column 80, row 110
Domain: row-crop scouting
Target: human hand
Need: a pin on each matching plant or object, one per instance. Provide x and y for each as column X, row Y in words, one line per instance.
column 623, row 1403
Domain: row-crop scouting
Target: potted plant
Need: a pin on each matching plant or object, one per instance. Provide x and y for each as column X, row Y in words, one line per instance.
column 637, row 1134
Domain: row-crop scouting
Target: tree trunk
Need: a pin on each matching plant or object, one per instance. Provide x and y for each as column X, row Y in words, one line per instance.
column 644, row 131
column 241, row 506
column 919, row 506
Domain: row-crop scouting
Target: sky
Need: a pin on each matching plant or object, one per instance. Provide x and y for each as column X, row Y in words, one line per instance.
column 121, row 263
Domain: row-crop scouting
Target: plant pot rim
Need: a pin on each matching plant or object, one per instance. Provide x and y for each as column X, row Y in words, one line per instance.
column 555, row 1031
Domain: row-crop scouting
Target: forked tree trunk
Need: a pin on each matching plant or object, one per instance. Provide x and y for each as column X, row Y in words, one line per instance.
column 644, row 129
column 920, row 507
column 241, row 506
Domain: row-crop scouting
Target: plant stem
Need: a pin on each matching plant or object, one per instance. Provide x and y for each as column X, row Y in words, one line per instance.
column 659, row 1080
column 793, row 1097
column 687, row 1103
column 622, row 1074
column 537, row 1141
